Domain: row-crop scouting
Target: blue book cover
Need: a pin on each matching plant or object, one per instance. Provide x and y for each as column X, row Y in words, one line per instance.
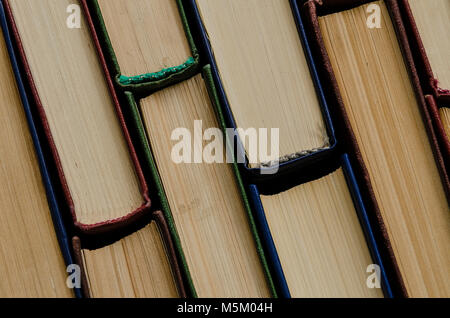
column 51, row 196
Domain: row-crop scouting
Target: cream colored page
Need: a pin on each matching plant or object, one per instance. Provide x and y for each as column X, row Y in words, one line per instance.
column 134, row 267
column 264, row 71
column 80, row 112
column 31, row 264
column 147, row 35
column 385, row 117
column 433, row 21
column 204, row 199
column 319, row 239
column 445, row 116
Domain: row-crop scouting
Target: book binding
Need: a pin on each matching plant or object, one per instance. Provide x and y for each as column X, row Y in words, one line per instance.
column 143, row 84
column 434, row 95
column 109, row 225
column 319, row 157
column 270, row 247
column 154, row 174
column 310, row 11
column 158, row 218
column 57, row 217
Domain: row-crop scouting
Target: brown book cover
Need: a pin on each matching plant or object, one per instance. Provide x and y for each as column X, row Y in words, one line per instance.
column 436, row 97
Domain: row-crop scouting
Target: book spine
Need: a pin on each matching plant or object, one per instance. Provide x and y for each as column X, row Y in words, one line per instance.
column 310, row 12
column 216, row 102
column 161, row 222
column 85, row 229
column 143, row 145
column 268, row 243
column 149, row 159
column 427, row 79
column 366, row 224
column 415, row 80
column 158, row 218
column 320, row 157
column 270, row 247
column 435, row 97
column 57, row 218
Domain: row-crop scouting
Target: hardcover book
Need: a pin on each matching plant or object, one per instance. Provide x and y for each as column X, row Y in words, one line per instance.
column 136, row 266
column 103, row 185
column 205, row 202
column 31, row 264
column 378, row 97
column 319, row 237
column 428, row 23
column 432, row 19
column 112, row 136
column 96, row 162
column 265, row 76
column 147, row 43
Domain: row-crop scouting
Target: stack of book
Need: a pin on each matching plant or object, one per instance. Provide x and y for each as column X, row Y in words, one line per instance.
column 225, row 148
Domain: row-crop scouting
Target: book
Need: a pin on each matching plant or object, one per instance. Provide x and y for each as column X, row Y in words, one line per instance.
column 31, row 264
column 319, row 239
column 90, row 141
column 432, row 19
column 79, row 112
column 204, row 199
column 146, row 36
column 437, row 45
column 133, row 267
column 265, row 73
column 385, row 117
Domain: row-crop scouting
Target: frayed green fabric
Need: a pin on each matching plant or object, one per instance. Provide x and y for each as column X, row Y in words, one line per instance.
column 149, row 77
column 146, row 86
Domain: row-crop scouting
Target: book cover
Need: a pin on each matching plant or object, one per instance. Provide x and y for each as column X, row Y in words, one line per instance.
column 56, row 220
column 290, row 160
column 171, row 206
column 411, row 108
column 174, row 59
column 429, row 51
column 127, row 170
